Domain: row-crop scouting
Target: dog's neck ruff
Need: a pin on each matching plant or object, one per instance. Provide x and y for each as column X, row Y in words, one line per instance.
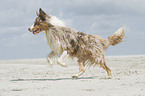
column 56, row 22
column 53, row 42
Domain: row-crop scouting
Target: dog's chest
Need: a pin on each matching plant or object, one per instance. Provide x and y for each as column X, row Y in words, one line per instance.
column 53, row 43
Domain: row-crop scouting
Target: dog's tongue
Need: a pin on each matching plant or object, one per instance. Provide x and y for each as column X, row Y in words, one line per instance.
column 36, row 32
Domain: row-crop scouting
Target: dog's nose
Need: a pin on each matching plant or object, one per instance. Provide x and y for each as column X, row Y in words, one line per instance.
column 29, row 29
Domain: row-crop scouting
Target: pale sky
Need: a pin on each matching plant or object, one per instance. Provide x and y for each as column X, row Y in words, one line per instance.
column 99, row 17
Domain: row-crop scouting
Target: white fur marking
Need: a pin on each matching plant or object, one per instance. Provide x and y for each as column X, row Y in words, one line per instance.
column 56, row 22
column 53, row 43
column 31, row 27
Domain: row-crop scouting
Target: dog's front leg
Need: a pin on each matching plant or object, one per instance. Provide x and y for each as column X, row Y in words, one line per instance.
column 49, row 56
column 81, row 70
column 62, row 58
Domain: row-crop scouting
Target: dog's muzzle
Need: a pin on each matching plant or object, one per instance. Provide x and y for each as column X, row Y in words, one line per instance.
column 30, row 29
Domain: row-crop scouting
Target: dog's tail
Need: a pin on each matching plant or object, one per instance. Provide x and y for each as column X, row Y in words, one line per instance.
column 116, row 37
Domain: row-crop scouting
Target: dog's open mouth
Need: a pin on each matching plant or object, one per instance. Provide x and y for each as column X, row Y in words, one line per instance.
column 36, row 31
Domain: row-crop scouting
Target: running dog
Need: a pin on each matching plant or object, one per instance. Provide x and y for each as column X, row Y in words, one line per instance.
column 67, row 42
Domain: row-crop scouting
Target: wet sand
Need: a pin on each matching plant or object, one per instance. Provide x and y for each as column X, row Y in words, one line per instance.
column 34, row 77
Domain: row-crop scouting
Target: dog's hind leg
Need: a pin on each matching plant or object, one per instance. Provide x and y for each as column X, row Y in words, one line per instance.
column 49, row 56
column 104, row 66
column 81, row 70
column 62, row 58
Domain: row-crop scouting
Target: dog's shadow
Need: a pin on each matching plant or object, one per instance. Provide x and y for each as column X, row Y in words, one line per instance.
column 55, row 79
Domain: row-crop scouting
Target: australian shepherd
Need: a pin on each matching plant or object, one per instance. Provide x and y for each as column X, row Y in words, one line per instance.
column 67, row 42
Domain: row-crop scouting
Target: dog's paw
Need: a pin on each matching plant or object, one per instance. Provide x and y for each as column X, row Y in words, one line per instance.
column 50, row 65
column 62, row 64
column 109, row 77
column 49, row 62
column 74, row 76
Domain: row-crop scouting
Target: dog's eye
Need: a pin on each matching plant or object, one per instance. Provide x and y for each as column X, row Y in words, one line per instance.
column 36, row 23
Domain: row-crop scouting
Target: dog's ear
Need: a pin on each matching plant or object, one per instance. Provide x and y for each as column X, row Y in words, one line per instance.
column 42, row 14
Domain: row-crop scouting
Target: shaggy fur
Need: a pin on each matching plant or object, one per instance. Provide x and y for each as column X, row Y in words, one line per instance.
column 67, row 42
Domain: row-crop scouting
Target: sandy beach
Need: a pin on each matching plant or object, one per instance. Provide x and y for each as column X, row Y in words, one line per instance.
column 34, row 77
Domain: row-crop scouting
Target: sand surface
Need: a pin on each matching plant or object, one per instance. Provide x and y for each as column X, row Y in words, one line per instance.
column 34, row 77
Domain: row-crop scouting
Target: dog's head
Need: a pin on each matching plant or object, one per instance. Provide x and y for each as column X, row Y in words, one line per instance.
column 41, row 23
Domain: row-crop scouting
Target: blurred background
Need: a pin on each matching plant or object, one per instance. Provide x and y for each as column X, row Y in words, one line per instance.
column 99, row 17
